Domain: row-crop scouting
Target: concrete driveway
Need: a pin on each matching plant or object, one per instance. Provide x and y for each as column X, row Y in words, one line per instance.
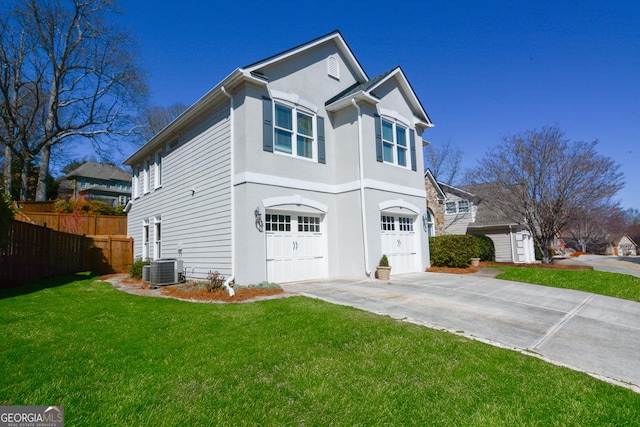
column 590, row 333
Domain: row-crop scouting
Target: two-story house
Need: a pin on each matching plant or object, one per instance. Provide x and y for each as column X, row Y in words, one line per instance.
column 468, row 210
column 97, row 181
column 295, row 167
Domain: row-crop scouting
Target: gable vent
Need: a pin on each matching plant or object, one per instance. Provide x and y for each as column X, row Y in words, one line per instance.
column 333, row 67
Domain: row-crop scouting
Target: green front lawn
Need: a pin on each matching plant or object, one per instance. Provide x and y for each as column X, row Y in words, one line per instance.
column 598, row 282
column 117, row 359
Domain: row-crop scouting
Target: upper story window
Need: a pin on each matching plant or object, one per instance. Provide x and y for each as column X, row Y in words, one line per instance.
column 459, row 207
column 293, row 132
column 394, row 143
column 135, row 185
column 158, row 171
column 145, row 178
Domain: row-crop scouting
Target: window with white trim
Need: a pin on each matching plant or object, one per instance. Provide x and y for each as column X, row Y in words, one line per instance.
column 135, row 180
column 387, row 223
column 145, row 239
column 405, row 223
column 145, row 178
column 158, row 170
column 157, row 238
column 431, row 227
column 309, row 224
column 450, row 208
column 293, row 132
column 459, row 207
column 275, row 222
column 394, row 143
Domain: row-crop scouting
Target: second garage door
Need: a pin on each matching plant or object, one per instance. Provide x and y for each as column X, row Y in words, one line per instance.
column 399, row 243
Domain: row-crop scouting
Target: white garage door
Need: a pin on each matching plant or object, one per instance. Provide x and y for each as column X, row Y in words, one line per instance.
column 399, row 243
column 295, row 247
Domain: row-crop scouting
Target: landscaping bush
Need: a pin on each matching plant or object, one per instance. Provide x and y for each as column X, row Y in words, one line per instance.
column 135, row 269
column 454, row 250
column 484, row 248
column 215, row 281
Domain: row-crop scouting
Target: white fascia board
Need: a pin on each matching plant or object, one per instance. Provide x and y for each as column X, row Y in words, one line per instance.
column 292, row 183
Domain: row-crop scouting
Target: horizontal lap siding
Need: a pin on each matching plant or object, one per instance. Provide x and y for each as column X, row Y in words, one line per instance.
column 198, row 221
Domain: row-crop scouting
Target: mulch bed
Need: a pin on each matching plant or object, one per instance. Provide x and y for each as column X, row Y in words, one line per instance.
column 191, row 291
column 220, row 295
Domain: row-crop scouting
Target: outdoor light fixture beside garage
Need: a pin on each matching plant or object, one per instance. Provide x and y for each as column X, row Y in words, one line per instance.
column 258, row 216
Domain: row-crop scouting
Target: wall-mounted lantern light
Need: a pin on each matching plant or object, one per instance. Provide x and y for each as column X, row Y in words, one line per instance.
column 258, row 216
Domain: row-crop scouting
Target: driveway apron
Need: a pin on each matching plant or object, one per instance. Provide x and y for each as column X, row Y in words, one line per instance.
column 591, row 333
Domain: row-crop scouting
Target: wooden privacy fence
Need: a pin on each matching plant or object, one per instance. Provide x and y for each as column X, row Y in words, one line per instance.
column 35, row 253
column 82, row 224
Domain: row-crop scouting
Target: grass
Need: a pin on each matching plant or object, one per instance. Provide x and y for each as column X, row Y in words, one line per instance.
column 117, row 359
column 611, row 284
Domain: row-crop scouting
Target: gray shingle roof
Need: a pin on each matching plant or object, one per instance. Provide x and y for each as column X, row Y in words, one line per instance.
column 488, row 214
column 100, row 171
column 359, row 87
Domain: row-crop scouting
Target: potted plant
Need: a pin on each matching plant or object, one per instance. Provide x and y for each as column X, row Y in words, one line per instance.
column 383, row 270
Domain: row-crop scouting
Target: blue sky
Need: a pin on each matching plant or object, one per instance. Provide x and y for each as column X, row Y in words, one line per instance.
column 482, row 69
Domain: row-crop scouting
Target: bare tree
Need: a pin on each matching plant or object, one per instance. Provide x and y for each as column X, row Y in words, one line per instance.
column 548, row 180
column 157, row 118
column 444, row 162
column 80, row 72
column 588, row 226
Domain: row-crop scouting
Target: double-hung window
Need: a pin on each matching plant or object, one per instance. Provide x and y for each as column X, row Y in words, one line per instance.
column 293, row 132
column 462, row 206
column 158, row 170
column 145, row 177
column 394, row 143
column 157, row 238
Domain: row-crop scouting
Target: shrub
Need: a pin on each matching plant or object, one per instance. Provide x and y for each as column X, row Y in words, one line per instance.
column 454, row 250
column 82, row 206
column 215, row 281
column 484, row 248
column 384, row 261
column 135, row 269
column 6, row 215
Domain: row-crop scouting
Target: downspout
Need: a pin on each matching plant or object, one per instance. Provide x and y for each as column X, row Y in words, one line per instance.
column 513, row 255
column 362, row 200
column 232, row 278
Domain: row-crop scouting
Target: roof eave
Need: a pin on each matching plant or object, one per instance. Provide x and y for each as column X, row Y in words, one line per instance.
column 232, row 81
column 346, row 101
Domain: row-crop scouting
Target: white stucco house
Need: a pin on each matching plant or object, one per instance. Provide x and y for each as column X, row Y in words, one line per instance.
column 295, row 167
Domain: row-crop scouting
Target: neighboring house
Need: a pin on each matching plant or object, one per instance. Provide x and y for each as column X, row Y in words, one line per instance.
column 627, row 245
column 97, row 181
column 461, row 210
column 295, row 167
column 435, row 205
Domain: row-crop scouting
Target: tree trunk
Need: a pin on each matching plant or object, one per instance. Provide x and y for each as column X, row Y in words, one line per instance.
column 41, row 189
column 8, row 169
column 24, row 179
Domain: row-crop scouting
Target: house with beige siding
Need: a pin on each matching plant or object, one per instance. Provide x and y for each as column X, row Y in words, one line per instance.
column 296, row 167
column 466, row 210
